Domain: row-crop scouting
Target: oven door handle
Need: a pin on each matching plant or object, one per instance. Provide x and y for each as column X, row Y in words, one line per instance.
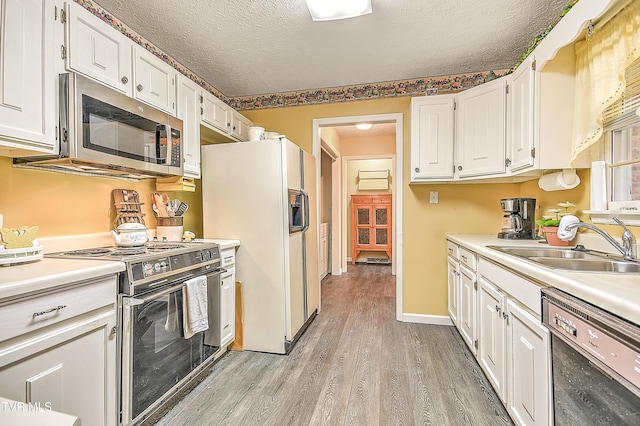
column 133, row 301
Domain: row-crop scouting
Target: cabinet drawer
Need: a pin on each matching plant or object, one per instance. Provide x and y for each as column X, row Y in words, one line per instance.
column 361, row 199
column 381, row 199
column 228, row 256
column 26, row 315
column 452, row 250
column 524, row 291
column 467, row 258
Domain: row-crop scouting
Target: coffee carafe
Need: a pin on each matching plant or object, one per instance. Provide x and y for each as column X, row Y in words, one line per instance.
column 518, row 223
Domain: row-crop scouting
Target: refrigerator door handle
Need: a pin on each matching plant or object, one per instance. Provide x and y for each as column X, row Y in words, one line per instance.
column 305, row 225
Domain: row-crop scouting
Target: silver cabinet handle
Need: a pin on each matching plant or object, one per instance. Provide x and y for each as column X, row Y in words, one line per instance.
column 48, row 311
column 124, row 80
column 497, row 308
column 464, row 257
column 228, row 258
column 417, row 169
column 139, row 87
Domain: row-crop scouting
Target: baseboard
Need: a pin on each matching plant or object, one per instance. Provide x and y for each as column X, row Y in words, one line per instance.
column 427, row 319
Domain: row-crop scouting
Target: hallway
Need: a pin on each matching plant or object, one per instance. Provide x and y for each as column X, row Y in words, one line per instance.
column 355, row 364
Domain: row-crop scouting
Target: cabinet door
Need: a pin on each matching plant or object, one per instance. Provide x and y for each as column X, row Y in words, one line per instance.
column 215, row 113
column 362, row 223
column 240, row 126
column 27, row 77
column 432, row 138
column 380, row 230
column 188, row 110
column 521, row 109
column 69, row 370
column 228, row 307
column 97, row 50
column 467, row 314
column 453, row 288
column 481, row 129
column 154, row 80
column 529, row 369
column 492, row 336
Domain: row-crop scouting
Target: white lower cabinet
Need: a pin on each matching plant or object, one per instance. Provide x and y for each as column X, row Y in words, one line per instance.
column 492, row 336
column 529, row 369
column 228, row 307
column 467, row 313
column 453, row 289
column 497, row 313
column 67, row 363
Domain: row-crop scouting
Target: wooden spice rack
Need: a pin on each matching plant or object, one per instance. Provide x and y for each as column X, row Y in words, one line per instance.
column 128, row 207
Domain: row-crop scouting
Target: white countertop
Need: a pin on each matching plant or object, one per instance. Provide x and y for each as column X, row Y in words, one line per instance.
column 618, row 293
column 48, row 273
column 20, row 279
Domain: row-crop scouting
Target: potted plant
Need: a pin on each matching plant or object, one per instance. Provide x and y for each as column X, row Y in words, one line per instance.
column 549, row 224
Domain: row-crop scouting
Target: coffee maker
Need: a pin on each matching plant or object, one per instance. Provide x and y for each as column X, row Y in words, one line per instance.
column 519, row 222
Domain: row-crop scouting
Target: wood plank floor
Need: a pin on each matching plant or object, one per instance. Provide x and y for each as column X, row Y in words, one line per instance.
column 355, row 365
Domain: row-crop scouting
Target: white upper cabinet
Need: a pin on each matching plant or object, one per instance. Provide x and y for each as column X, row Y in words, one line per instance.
column 481, row 130
column 432, row 125
column 97, row 50
column 221, row 122
column 215, row 113
column 521, row 116
column 154, row 80
column 27, row 77
column 240, row 126
column 188, row 110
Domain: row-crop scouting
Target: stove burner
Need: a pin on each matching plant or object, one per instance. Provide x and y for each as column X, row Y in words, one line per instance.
column 128, row 251
column 89, row 252
column 162, row 246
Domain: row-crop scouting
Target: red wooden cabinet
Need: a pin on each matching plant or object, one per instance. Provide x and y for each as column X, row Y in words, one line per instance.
column 370, row 224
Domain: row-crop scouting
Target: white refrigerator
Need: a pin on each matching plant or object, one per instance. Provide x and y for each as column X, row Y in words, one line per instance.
column 263, row 193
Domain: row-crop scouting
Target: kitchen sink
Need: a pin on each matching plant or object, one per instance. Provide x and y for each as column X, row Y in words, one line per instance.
column 572, row 259
column 591, row 265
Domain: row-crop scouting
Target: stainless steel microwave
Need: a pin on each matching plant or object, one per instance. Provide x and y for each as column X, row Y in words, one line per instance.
column 103, row 132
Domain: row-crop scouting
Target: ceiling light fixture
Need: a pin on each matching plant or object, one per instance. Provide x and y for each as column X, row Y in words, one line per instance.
column 363, row 126
column 329, row 10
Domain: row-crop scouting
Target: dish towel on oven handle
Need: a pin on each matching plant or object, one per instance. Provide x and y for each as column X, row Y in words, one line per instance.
column 194, row 306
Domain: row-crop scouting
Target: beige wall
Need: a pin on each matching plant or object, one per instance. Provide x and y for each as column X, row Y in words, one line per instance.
column 372, row 145
column 65, row 204
column 463, row 208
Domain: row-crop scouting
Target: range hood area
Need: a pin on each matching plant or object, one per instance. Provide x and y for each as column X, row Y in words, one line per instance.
column 84, row 168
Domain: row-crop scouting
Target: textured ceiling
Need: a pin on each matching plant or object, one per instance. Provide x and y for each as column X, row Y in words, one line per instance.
column 253, row 47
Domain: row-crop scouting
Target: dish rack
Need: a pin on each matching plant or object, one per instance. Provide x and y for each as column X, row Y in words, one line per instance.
column 128, row 207
column 20, row 255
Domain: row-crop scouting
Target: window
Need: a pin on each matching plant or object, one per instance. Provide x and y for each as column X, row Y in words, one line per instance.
column 622, row 133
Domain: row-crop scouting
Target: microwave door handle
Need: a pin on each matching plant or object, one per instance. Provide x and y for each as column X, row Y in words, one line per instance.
column 166, row 130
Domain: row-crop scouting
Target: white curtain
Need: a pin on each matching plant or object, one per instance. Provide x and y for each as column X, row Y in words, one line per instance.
column 601, row 60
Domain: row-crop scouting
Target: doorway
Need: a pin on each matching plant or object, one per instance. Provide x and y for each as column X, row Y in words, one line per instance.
column 335, row 157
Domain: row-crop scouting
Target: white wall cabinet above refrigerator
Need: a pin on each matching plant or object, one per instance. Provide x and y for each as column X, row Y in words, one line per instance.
column 28, row 79
column 220, row 122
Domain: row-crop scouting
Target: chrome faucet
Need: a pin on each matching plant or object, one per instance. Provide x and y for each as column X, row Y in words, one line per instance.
column 628, row 246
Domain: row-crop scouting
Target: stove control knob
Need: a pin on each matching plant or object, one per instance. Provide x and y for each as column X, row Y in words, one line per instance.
column 157, row 267
column 148, row 269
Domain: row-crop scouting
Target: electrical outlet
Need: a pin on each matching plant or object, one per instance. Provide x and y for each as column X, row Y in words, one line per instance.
column 433, row 197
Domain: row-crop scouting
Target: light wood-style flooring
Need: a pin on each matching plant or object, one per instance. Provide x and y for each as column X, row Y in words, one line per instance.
column 355, row 365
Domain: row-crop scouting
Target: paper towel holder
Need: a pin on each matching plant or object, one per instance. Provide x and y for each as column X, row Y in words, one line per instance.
column 558, row 181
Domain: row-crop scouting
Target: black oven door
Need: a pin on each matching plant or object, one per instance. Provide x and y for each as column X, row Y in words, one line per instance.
column 156, row 357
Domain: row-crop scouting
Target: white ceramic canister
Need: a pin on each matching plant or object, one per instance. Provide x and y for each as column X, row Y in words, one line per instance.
column 170, row 228
column 256, row 133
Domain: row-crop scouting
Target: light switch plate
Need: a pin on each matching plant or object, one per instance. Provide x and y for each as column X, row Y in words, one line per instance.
column 433, row 197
